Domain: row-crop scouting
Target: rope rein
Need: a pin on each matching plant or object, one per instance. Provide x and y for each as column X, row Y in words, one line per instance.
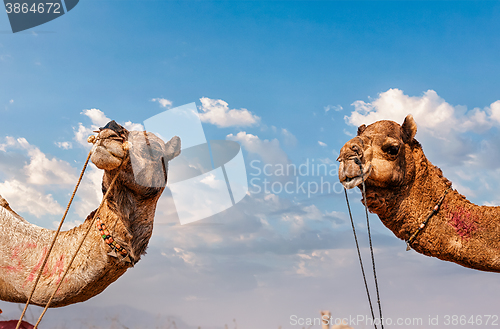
column 53, row 242
column 360, row 259
column 410, row 240
column 373, row 258
column 81, row 243
column 358, row 162
column 92, row 139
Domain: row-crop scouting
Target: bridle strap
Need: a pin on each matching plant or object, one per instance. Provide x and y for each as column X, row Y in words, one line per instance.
column 424, row 223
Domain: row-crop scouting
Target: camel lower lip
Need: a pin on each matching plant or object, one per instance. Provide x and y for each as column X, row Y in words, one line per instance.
column 104, row 159
column 352, row 182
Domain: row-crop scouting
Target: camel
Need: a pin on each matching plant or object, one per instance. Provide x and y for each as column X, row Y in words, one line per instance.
column 327, row 321
column 403, row 188
column 126, row 217
column 11, row 324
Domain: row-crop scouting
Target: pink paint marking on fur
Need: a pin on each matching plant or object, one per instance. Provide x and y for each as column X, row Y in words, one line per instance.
column 16, row 259
column 58, row 292
column 34, row 271
column 59, row 268
column 463, row 221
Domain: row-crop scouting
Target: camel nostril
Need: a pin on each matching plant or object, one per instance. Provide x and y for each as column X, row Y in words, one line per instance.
column 356, row 149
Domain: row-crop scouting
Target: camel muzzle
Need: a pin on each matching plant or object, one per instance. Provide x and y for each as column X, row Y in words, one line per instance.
column 353, row 168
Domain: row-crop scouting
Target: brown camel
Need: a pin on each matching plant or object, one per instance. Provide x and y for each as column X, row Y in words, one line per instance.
column 131, row 206
column 12, row 324
column 403, row 187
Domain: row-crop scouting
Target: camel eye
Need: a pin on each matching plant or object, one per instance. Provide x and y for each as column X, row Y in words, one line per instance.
column 392, row 150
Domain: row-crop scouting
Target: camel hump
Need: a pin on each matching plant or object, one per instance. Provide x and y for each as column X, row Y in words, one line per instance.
column 4, row 203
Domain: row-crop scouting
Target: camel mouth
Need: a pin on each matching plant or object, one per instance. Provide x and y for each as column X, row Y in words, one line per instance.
column 350, row 182
column 108, row 152
column 104, row 159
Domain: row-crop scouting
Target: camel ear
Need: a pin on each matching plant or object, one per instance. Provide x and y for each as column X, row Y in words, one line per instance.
column 173, row 148
column 361, row 129
column 408, row 128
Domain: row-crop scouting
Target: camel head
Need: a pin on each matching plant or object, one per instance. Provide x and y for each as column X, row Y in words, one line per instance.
column 109, row 151
column 142, row 160
column 383, row 151
column 148, row 154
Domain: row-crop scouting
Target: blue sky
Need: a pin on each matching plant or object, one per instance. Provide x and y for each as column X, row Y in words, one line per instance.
column 283, row 63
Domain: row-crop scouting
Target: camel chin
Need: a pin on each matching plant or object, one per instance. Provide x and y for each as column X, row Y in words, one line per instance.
column 104, row 159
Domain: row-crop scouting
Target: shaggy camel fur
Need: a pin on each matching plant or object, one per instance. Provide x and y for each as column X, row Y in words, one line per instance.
column 131, row 206
column 402, row 188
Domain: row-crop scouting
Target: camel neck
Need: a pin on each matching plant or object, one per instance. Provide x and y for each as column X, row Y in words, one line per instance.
column 460, row 231
column 130, row 215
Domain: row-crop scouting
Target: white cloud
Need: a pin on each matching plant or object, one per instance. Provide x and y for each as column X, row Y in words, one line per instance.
column 9, row 142
column 188, row 257
column 64, row 145
column 11, row 101
column 348, row 133
column 98, row 119
column 322, row 263
column 337, row 216
column 82, row 133
column 97, row 116
column 40, row 170
column 445, row 130
column 89, row 192
column 32, row 172
column 333, row 107
column 217, row 112
column 130, row 126
column 26, row 198
column 269, row 150
column 67, row 225
column 495, row 111
column 163, row 102
column 429, row 111
column 322, row 144
column 288, row 137
column 43, row 171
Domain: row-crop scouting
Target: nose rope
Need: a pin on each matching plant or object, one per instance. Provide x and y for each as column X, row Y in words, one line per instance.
column 358, row 162
column 91, row 225
column 56, row 235
column 92, row 139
